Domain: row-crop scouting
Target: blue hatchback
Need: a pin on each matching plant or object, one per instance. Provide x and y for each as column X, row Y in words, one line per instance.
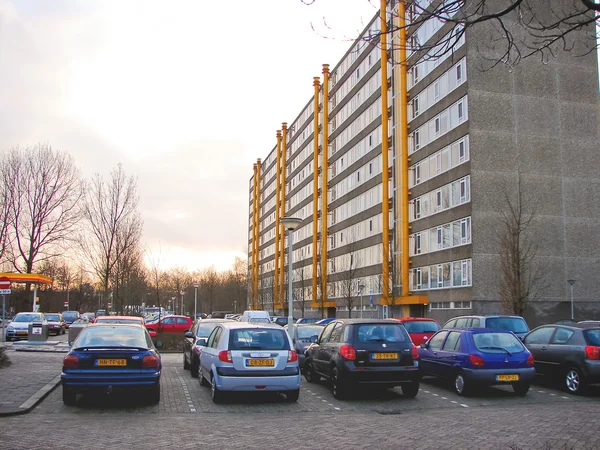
column 478, row 356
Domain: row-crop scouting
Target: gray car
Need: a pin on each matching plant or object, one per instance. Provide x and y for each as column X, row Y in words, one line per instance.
column 242, row 356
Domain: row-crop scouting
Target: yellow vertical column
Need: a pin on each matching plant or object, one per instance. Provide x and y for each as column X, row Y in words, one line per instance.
column 316, row 84
column 325, row 181
column 385, row 208
column 258, row 169
column 254, row 240
column 276, row 297
column 283, row 187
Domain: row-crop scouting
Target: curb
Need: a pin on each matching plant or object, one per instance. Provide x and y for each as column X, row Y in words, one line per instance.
column 34, row 400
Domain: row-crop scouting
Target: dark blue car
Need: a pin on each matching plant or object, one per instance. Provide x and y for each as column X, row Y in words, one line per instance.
column 478, row 356
column 112, row 358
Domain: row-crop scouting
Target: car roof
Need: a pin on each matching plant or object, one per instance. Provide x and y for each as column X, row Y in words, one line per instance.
column 366, row 321
column 103, row 318
column 478, row 330
column 487, row 316
column 118, row 325
column 414, row 319
column 234, row 324
column 214, row 320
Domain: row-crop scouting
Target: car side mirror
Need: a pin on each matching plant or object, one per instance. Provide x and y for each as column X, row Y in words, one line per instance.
column 201, row 342
column 314, row 339
column 188, row 334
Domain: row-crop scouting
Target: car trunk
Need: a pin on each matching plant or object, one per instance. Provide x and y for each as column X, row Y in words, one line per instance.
column 259, row 360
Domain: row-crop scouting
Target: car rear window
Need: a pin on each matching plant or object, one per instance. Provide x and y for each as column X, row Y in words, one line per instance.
column 382, row 332
column 69, row 315
column 514, row 324
column 109, row 320
column 52, row 317
column 497, row 343
column 107, row 336
column 421, row 326
column 593, row 336
column 258, row 339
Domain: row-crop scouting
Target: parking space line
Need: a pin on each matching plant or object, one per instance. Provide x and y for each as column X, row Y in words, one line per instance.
column 463, row 405
column 566, row 398
column 452, row 401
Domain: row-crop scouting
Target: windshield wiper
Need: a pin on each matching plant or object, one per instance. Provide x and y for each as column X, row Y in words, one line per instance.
column 497, row 348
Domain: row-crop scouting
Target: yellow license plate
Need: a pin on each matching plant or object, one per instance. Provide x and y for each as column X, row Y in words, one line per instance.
column 385, row 355
column 112, row 362
column 261, row 362
column 22, row 333
column 507, row 377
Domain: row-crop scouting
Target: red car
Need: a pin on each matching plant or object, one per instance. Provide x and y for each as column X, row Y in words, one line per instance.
column 171, row 324
column 419, row 329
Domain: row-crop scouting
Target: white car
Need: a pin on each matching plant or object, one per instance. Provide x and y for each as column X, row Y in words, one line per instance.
column 19, row 327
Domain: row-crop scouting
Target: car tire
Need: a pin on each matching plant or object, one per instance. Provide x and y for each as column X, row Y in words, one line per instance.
column 186, row 365
column 154, row 397
column 521, row 388
column 309, row 372
column 69, row 397
column 195, row 368
column 574, row 382
column 461, row 387
column 338, row 387
column 410, row 390
column 292, row 396
column 216, row 394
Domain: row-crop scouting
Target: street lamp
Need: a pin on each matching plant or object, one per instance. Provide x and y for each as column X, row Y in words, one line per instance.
column 290, row 224
column 195, row 299
column 361, row 286
column 572, row 282
column 181, row 304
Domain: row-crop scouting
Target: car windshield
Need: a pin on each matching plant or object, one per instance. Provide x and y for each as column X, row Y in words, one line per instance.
column 593, row 336
column 514, row 324
column 258, row 339
column 381, row 332
column 204, row 329
column 21, row 317
column 52, row 317
column 307, row 332
column 110, row 336
column 421, row 326
column 497, row 343
column 69, row 315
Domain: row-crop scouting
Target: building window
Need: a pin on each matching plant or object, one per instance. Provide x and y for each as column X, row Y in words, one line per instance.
column 437, row 126
column 417, row 139
column 436, row 91
column 370, row 60
column 461, row 115
column 370, row 168
column 440, row 238
column 463, row 190
column 358, row 176
column 417, row 173
column 459, row 73
column 370, row 225
column 438, row 200
column 416, row 107
column 417, row 240
column 342, row 236
column 415, row 74
column 461, row 151
column 370, row 141
column 417, row 208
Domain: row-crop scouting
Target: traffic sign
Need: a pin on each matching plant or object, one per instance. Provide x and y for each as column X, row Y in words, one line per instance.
column 4, row 283
column 4, row 291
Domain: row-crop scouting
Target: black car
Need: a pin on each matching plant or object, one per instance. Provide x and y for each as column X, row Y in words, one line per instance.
column 194, row 340
column 569, row 354
column 70, row 317
column 353, row 352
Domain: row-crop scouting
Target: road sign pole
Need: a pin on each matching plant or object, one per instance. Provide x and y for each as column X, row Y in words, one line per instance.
column 3, row 317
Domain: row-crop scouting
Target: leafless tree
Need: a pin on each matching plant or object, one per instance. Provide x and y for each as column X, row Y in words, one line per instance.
column 6, row 216
column 114, row 223
column 42, row 202
column 238, row 277
column 155, row 277
column 210, row 282
column 349, row 282
column 300, row 293
column 128, row 279
column 266, row 293
column 523, row 278
column 179, row 279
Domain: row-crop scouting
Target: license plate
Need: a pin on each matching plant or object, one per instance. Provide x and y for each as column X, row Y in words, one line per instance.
column 112, row 362
column 507, row 377
column 385, row 355
column 261, row 362
column 22, row 333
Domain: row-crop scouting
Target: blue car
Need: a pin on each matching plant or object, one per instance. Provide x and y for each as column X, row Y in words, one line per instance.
column 111, row 358
column 478, row 356
column 325, row 321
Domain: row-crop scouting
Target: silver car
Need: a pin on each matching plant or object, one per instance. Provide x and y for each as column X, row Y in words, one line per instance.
column 242, row 356
column 18, row 328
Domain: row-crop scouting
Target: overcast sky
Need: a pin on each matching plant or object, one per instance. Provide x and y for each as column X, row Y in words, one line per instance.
column 185, row 94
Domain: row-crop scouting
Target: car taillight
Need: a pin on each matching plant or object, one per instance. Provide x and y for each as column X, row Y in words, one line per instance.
column 150, row 361
column 347, row 351
column 476, row 361
column 292, row 356
column 530, row 360
column 414, row 352
column 71, row 362
column 225, row 356
column 592, row 352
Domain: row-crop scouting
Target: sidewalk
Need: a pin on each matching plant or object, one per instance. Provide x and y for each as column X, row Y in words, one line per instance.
column 33, row 374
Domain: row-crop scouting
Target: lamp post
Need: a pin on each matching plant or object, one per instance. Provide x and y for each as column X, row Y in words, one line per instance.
column 290, row 224
column 361, row 286
column 181, row 304
column 572, row 282
column 195, row 300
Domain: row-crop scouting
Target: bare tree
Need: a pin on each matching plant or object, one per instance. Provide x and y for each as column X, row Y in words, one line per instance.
column 300, row 293
column 523, row 279
column 209, row 280
column 42, row 202
column 179, row 279
column 156, row 279
column 239, row 278
column 349, row 283
column 113, row 221
column 266, row 293
column 6, row 216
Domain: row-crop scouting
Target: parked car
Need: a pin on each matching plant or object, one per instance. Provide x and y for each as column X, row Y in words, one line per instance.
column 569, row 354
column 478, row 356
column 194, row 340
column 171, row 324
column 90, row 315
column 18, row 328
column 304, row 335
column 70, row 317
column 325, row 321
column 56, row 323
column 420, row 329
column 134, row 320
column 101, row 312
column 243, row 356
column 281, row 320
column 307, row 320
column 590, row 323
column 353, row 352
column 516, row 324
column 219, row 314
column 565, row 322
column 256, row 317
column 111, row 358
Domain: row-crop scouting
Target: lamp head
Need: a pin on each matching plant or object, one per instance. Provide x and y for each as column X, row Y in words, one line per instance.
column 571, row 282
column 291, row 223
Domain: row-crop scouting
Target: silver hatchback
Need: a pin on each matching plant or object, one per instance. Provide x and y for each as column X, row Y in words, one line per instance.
column 242, row 356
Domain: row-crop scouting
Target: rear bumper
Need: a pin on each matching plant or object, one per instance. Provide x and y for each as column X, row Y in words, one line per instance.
column 238, row 380
column 388, row 375
column 592, row 372
column 488, row 376
column 17, row 334
column 92, row 382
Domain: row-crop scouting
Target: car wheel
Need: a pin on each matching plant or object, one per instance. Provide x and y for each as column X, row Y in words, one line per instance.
column 69, row 397
column 521, row 388
column 460, row 384
column 309, row 372
column 574, row 381
column 292, row 396
column 216, row 394
column 194, row 367
column 186, row 365
column 338, row 387
column 410, row 390
column 154, row 397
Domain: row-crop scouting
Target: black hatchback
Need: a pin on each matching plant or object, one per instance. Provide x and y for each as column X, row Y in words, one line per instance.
column 367, row 352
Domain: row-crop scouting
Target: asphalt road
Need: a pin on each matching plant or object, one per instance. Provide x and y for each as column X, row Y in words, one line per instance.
column 546, row 418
